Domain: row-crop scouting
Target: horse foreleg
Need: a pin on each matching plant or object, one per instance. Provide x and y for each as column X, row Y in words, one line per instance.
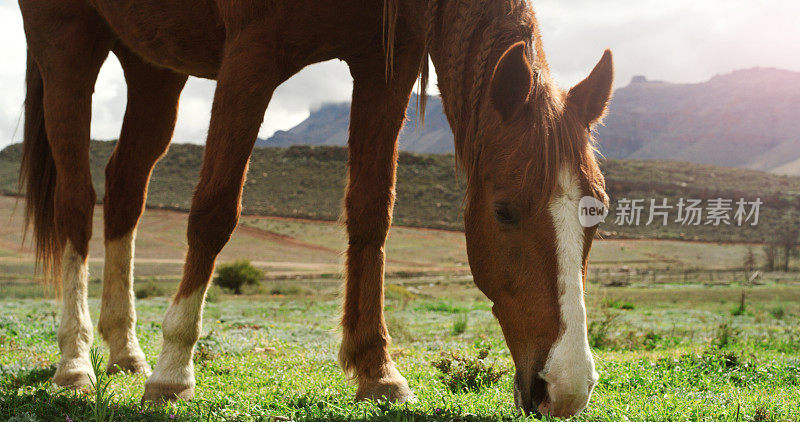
column 146, row 131
column 377, row 114
column 246, row 80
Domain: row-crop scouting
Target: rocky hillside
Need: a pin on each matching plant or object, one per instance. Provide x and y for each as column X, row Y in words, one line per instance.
column 748, row 119
column 328, row 124
column 308, row 182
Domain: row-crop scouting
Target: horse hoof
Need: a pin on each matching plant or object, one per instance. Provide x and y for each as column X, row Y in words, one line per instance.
column 393, row 388
column 165, row 393
column 132, row 364
column 75, row 374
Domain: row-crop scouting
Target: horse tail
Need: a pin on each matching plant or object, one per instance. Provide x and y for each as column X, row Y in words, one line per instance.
column 38, row 176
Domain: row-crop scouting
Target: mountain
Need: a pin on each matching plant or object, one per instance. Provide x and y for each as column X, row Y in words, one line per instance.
column 328, row 125
column 748, row 118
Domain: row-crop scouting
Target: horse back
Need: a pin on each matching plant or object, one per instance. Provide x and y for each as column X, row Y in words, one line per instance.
column 189, row 35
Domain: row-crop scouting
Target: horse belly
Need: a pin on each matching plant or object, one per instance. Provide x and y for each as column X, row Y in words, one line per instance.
column 184, row 35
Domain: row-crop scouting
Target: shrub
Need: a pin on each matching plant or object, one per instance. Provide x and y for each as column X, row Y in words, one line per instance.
column 213, row 294
column 441, row 306
column 778, row 312
column 398, row 293
column 460, row 324
column 289, row 290
column 600, row 331
column 650, row 340
column 740, row 309
column 207, row 348
column 467, row 373
column 726, row 334
column 236, row 274
column 618, row 304
column 150, row 288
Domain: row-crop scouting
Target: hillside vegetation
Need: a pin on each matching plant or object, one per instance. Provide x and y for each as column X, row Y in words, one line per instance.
column 308, row 182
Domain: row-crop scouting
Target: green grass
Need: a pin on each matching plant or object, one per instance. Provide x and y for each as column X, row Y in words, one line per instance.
column 677, row 355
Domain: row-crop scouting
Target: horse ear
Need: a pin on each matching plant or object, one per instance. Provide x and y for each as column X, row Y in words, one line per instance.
column 589, row 99
column 511, row 81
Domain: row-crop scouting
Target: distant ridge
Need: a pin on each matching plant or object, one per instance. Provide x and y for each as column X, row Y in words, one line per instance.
column 328, row 125
column 308, row 182
column 748, row 118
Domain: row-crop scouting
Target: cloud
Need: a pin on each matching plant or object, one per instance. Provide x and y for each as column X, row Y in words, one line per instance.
column 677, row 40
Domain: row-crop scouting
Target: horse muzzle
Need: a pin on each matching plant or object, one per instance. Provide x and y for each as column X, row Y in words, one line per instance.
column 553, row 395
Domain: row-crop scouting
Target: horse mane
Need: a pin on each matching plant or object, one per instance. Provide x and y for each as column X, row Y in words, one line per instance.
column 390, row 16
column 482, row 31
column 485, row 31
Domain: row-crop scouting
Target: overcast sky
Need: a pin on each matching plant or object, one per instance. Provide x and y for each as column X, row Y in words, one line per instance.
column 675, row 40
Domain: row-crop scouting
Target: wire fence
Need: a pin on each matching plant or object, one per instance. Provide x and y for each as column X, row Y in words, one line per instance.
column 620, row 277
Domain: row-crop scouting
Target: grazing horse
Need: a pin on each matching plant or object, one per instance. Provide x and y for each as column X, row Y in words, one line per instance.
column 524, row 145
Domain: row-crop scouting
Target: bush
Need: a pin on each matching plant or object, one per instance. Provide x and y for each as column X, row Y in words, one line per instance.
column 289, row 290
column 467, row 373
column 236, row 274
column 213, row 294
column 460, row 324
column 398, row 293
column 150, row 288
column 599, row 331
column 741, row 309
column 778, row 312
column 726, row 335
column 618, row 304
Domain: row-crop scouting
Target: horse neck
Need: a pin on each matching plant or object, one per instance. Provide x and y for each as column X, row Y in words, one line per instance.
column 465, row 39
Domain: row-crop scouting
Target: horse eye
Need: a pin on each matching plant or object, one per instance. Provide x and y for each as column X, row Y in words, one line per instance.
column 504, row 215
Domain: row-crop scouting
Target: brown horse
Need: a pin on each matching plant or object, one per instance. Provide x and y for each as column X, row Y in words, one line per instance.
column 524, row 145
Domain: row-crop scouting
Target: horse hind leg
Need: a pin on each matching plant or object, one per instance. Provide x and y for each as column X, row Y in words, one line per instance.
column 377, row 115
column 68, row 61
column 147, row 128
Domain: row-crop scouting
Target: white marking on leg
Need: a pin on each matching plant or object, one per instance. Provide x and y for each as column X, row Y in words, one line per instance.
column 569, row 370
column 117, row 321
column 75, row 334
column 181, row 329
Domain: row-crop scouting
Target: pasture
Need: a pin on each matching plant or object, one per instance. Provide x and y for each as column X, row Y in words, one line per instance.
column 665, row 351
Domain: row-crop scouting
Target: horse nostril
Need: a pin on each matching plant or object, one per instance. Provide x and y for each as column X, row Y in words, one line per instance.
column 538, row 391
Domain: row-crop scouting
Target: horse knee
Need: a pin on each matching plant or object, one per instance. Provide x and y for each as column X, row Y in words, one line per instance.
column 210, row 227
column 124, row 198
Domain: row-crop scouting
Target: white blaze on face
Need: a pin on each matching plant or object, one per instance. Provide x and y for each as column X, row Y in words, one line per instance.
column 569, row 370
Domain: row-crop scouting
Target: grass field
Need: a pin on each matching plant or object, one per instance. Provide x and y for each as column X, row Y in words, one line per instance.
column 665, row 354
column 665, row 351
